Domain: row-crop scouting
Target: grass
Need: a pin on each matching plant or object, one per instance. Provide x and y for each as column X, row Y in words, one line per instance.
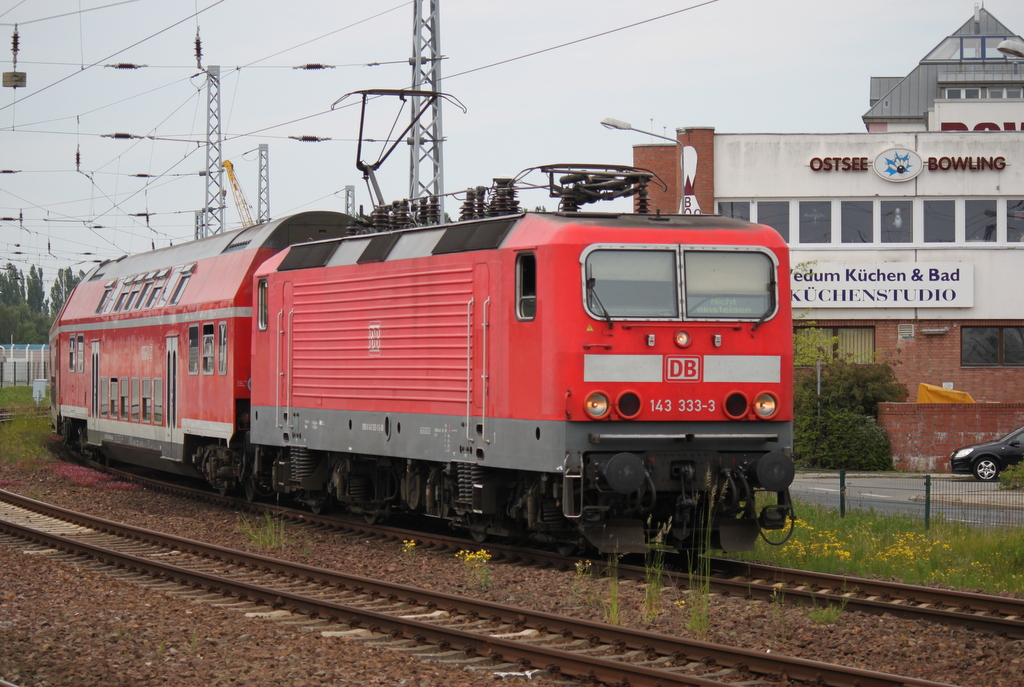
column 23, row 438
column 266, row 532
column 895, row 547
column 477, row 567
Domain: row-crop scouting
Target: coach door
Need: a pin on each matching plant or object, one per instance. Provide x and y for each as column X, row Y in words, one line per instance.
column 172, row 387
column 478, row 331
column 95, row 410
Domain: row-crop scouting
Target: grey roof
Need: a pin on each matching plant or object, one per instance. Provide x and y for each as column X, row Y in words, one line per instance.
column 909, row 98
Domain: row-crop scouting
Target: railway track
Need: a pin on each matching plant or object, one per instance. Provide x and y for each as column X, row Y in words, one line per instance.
column 1003, row 616
column 448, row 626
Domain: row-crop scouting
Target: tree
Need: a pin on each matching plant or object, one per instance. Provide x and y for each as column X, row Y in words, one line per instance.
column 62, row 286
column 12, row 285
column 838, row 428
column 35, row 294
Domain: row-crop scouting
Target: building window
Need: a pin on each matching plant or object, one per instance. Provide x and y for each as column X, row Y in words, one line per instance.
column 939, row 221
column 857, row 221
column 193, row 349
column 1014, row 220
column 775, row 215
column 526, row 286
column 991, row 346
column 954, row 94
column 815, row 221
column 980, row 220
column 222, row 348
column 856, row 344
column 897, row 221
column 738, row 210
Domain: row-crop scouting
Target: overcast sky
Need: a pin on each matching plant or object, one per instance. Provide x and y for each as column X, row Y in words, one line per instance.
column 736, row 65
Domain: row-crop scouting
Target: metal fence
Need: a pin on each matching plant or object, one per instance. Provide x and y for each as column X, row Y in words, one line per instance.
column 950, row 498
column 21, row 373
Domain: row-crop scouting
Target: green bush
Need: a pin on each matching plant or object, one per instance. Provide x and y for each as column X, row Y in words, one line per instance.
column 838, row 428
column 1012, row 477
column 842, row 440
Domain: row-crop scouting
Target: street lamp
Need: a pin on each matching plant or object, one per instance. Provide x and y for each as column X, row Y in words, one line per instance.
column 1011, row 48
column 612, row 123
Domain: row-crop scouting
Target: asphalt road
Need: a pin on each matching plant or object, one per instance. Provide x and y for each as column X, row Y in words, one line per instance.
column 952, row 497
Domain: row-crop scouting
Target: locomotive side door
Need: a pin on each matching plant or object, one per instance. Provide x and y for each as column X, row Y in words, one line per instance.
column 285, row 337
column 479, row 325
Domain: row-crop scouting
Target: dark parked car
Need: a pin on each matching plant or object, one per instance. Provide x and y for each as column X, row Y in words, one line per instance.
column 985, row 461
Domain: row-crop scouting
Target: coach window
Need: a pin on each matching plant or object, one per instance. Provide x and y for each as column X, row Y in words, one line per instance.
column 193, row 349
column 208, row 346
column 125, row 390
column 165, row 293
column 113, row 397
column 114, row 290
column 158, row 401
column 108, row 291
column 135, row 399
column 161, row 279
column 186, row 274
column 147, row 399
column 728, row 284
column 632, row 283
column 526, row 286
column 104, row 397
column 222, row 348
column 71, row 353
column 261, row 304
column 1002, row 346
column 81, row 353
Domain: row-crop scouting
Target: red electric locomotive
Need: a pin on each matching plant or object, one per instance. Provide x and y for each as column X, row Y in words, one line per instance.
column 581, row 379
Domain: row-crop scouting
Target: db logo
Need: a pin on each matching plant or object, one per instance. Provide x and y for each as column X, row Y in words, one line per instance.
column 682, row 369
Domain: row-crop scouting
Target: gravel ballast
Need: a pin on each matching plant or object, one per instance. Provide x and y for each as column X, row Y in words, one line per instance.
column 61, row 624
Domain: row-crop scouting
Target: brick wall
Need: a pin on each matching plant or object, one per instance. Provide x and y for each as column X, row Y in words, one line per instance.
column 923, row 435
column 664, row 161
column 935, row 358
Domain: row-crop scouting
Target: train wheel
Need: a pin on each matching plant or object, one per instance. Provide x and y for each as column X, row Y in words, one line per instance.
column 250, row 490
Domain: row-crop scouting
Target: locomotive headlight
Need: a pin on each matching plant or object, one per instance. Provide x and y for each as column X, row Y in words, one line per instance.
column 766, row 405
column 682, row 339
column 596, row 405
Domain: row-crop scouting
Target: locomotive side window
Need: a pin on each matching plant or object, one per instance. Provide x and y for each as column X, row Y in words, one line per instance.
column 80, row 362
column 222, row 348
column 158, row 401
column 632, row 283
column 104, row 397
column 113, row 397
column 147, row 399
column 526, row 286
column 135, row 399
column 193, row 349
column 208, row 348
column 261, row 305
column 728, row 284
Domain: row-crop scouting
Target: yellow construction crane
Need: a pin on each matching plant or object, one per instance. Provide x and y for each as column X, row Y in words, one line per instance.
column 244, row 209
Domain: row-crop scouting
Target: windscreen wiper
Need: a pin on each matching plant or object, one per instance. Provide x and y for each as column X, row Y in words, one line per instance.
column 592, row 293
